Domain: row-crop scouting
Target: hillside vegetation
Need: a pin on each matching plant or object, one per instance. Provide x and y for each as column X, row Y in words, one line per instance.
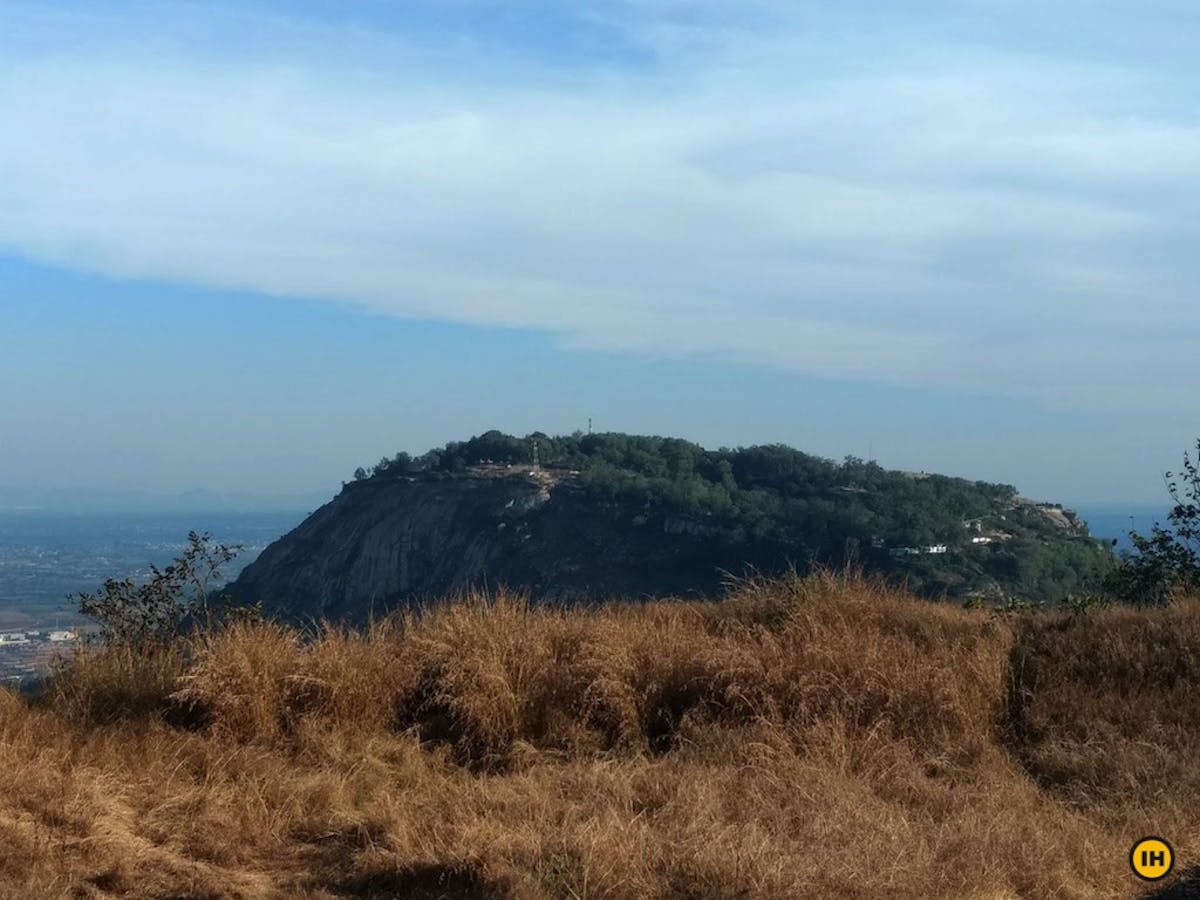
column 807, row 737
column 773, row 507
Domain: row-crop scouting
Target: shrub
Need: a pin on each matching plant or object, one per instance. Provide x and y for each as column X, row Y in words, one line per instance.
column 1167, row 563
column 133, row 614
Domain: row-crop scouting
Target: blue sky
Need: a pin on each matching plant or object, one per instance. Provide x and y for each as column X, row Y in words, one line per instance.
column 249, row 246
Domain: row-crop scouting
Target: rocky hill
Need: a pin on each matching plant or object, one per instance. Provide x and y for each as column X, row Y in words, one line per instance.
column 382, row 544
column 612, row 515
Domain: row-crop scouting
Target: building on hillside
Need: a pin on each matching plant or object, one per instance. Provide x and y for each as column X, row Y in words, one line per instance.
column 919, row 551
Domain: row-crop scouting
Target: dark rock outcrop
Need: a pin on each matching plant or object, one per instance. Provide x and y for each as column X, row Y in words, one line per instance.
column 380, row 545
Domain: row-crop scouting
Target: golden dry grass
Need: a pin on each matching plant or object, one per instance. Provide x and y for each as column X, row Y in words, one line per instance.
column 819, row 737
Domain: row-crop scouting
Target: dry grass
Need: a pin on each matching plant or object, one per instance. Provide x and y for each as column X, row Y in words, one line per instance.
column 820, row 737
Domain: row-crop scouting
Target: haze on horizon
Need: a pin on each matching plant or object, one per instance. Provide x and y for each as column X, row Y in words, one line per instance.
column 248, row 247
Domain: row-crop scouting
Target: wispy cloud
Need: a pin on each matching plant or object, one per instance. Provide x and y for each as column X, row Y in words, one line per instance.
column 985, row 218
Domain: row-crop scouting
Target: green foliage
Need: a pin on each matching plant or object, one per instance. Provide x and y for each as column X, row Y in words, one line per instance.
column 1083, row 603
column 1018, row 606
column 773, row 505
column 1168, row 560
column 132, row 614
column 1035, row 564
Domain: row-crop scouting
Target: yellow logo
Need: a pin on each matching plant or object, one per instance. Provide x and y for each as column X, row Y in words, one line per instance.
column 1151, row 859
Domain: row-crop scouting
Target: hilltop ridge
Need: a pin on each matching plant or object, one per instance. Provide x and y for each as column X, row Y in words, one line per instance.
column 588, row 517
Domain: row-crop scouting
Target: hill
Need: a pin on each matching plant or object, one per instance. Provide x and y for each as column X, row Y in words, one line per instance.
column 587, row 517
column 807, row 738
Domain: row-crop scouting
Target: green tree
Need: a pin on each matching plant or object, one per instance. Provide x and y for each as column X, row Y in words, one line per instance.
column 1168, row 560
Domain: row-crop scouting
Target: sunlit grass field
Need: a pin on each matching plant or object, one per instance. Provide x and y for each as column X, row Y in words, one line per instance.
column 816, row 737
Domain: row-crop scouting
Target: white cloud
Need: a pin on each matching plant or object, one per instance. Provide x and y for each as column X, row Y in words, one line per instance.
column 997, row 223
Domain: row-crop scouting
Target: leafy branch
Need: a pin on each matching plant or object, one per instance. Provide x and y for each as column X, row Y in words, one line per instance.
column 129, row 612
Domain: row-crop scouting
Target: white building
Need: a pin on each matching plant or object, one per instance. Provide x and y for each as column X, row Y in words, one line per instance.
column 62, row 635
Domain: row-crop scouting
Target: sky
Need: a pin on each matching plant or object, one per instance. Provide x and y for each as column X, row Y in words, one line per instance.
column 249, row 246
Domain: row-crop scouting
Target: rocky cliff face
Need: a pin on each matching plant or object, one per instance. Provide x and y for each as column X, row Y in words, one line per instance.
column 394, row 542
column 379, row 546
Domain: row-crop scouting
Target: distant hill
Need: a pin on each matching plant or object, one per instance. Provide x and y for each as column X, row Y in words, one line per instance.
column 586, row 517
